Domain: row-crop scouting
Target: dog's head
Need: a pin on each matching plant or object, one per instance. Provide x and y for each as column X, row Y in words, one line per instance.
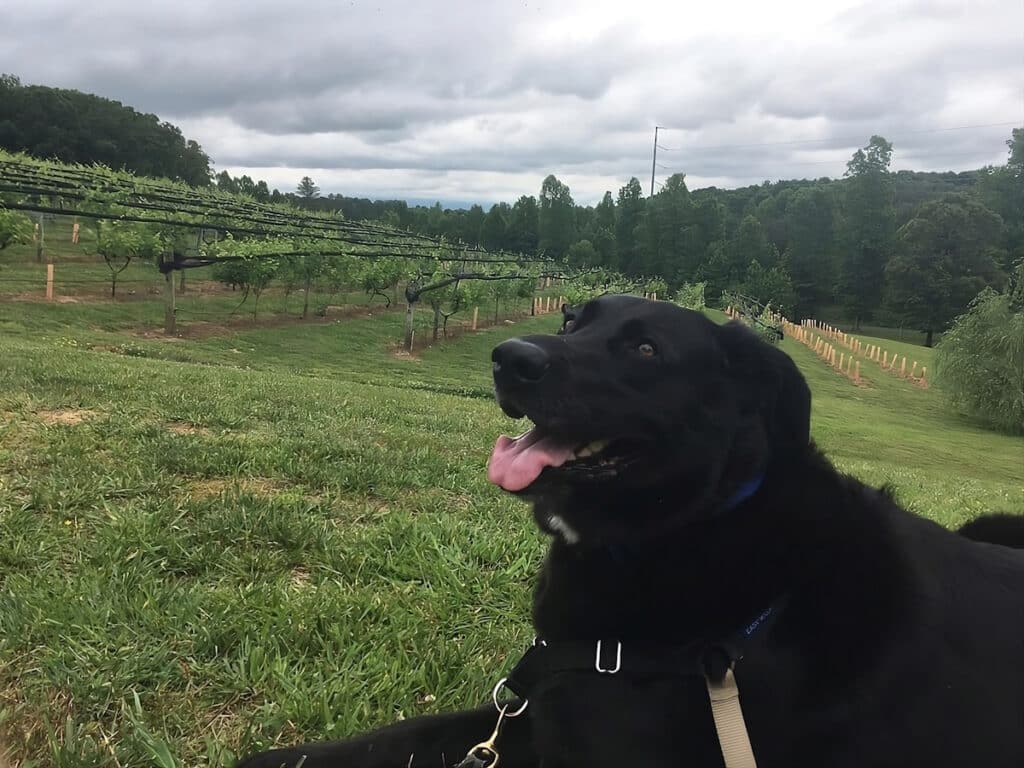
column 642, row 405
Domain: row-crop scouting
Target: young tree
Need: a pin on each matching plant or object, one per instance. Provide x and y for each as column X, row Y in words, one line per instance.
column 769, row 286
column 252, row 274
column 980, row 361
column 15, row 228
column 119, row 242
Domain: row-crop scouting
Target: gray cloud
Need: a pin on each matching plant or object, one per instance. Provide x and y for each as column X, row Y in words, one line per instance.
column 456, row 99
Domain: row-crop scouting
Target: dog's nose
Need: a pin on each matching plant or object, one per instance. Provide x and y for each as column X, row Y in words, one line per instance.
column 520, row 361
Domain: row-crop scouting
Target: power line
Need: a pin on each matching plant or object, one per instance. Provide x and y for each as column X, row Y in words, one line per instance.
column 794, row 142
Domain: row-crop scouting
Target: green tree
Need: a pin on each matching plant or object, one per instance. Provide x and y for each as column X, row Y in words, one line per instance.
column 668, row 214
column 583, row 254
column 473, row 224
column 252, row 274
column 751, row 243
column 869, row 228
column 307, row 190
column 556, row 221
column 76, row 127
column 119, row 242
column 1002, row 191
column 945, row 255
column 769, row 286
column 604, row 231
column 521, row 232
column 979, row 363
column 225, row 183
column 492, row 232
column 811, row 250
column 15, row 228
column 629, row 212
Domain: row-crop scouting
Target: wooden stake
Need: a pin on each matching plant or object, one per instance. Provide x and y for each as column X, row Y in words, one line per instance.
column 842, row 360
column 913, row 371
column 856, row 373
column 476, row 312
column 885, row 360
column 903, row 367
column 170, row 311
column 49, row 282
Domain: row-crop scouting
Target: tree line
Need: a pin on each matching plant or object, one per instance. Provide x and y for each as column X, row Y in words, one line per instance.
column 896, row 248
column 75, row 127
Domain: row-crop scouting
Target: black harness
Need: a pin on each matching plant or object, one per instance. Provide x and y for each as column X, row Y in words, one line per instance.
column 708, row 659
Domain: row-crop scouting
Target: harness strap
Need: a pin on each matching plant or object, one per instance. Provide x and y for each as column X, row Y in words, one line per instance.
column 732, row 729
column 543, row 660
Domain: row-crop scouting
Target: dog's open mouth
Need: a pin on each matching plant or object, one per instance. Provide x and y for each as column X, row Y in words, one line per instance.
column 517, row 462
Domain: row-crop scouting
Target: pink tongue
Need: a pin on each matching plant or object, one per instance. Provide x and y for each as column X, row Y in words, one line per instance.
column 515, row 463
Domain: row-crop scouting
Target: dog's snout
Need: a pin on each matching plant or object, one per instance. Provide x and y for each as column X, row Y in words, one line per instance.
column 520, row 361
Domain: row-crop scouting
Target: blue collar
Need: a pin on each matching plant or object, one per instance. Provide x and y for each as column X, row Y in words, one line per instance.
column 744, row 492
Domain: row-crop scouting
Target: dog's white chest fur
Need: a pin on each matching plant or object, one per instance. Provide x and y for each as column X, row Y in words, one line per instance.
column 563, row 529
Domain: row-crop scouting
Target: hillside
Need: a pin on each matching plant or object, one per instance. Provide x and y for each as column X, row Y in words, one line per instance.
column 214, row 544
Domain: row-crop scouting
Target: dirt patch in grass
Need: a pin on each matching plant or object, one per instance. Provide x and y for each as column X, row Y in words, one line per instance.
column 184, row 428
column 299, row 578
column 67, row 417
column 202, row 329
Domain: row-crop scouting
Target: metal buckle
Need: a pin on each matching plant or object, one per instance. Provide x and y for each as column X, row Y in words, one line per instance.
column 503, row 708
column 618, row 660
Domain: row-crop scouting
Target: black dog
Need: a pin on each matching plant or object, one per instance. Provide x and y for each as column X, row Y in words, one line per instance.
column 695, row 527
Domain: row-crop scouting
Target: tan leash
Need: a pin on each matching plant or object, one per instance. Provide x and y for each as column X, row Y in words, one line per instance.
column 732, row 729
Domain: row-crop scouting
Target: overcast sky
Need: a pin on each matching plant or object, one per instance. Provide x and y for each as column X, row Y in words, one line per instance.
column 478, row 101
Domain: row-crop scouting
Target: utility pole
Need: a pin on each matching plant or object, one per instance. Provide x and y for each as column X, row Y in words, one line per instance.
column 654, row 160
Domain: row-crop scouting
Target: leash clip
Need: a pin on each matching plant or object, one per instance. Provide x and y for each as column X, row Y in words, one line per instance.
column 618, row 660
column 503, row 708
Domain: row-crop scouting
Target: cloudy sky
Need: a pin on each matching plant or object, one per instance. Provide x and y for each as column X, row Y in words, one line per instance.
column 478, row 101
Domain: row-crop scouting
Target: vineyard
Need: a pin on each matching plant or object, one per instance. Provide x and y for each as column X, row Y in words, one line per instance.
column 92, row 228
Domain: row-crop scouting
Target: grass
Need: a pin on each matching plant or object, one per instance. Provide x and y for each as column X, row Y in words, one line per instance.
column 217, row 544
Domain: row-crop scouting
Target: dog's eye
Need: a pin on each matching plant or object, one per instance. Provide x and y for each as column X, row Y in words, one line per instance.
column 568, row 325
column 646, row 349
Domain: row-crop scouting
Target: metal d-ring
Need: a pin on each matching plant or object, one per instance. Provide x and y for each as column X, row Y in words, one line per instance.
column 500, row 707
column 618, row 660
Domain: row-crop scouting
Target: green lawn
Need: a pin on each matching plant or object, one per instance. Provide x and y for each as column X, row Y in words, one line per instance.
column 215, row 544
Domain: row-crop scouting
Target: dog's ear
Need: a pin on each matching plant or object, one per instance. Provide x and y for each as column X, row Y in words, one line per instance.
column 771, row 382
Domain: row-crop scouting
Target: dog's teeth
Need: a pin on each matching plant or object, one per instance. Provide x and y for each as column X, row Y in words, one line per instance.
column 590, row 449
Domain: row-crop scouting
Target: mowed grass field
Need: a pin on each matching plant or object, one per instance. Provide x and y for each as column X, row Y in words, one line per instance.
column 213, row 545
